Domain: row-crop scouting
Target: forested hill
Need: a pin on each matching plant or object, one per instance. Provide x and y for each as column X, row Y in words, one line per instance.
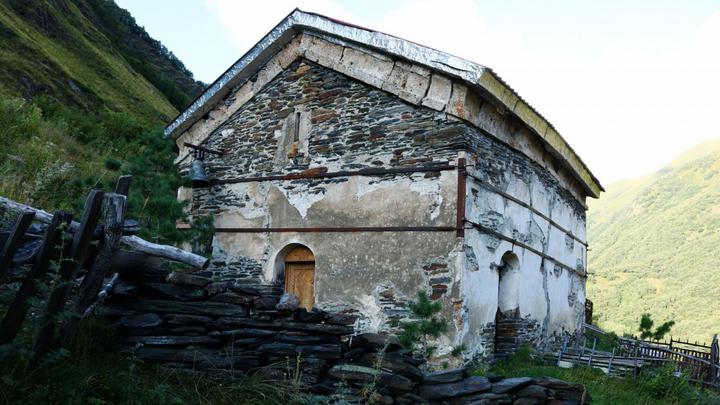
column 92, row 55
column 84, row 95
column 655, row 247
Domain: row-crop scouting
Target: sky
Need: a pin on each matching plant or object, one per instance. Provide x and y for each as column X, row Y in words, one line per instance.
column 629, row 84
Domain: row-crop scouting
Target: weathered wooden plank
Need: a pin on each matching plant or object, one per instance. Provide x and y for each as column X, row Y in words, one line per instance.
column 92, row 283
column 18, row 308
column 123, row 185
column 165, row 251
column 11, row 244
column 68, row 270
column 133, row 242
column 113, row 222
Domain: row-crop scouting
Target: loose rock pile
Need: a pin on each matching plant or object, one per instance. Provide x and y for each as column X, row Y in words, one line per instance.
column 395, row 378
column 185, row 320
column 188, row 321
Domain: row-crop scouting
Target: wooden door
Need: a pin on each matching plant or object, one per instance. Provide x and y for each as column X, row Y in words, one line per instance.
column 300, row 275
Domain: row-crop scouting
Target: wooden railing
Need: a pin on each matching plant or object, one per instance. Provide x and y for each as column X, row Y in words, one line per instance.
column 698, row 361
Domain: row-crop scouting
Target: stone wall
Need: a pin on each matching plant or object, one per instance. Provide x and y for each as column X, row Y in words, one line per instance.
column 228, row 329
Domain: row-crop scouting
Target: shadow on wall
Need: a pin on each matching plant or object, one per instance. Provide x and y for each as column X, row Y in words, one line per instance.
column 509, row 283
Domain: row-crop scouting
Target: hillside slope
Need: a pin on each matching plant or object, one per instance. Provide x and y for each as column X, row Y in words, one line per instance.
column 84, row 94
column 89, row 54
column 654, row 247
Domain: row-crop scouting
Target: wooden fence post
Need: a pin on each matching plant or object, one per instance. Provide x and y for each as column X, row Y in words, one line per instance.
column 714, row 363
column 6, row 255
column 612, row 356
column 562, row 349
column 92, row 283
column 18, row 308
column 123, row 185
column 68, row 270
column 592, row 353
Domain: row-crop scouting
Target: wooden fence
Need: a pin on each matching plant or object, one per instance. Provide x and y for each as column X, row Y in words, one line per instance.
column 698, row 361
column 67, row 249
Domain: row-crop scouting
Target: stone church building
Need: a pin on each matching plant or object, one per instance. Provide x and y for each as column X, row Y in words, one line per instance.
column 355, row 169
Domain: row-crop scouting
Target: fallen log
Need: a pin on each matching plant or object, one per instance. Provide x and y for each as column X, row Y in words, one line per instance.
column 134, row 242
column 165, row 251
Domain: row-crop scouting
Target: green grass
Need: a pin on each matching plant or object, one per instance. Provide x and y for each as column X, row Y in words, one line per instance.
column 658, row 387
column 654, row 247
column 93, row 371
column 54, row 48
column 54, row 155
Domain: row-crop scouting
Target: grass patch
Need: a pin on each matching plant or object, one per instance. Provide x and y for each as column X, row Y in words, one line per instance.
column 94, row 371
column 658, row 386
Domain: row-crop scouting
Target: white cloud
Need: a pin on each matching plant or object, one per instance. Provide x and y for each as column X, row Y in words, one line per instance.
column 248, row 21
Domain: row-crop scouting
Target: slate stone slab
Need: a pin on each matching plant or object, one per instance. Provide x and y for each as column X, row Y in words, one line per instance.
column 167, row 354
column 302, row 338
column 445, row 376
column 265, row 302
column 341, row 319
column 171, row 340
column 245, row 332
column 237, row 322
column 320, row 351
column 192, row 308
column 486, row 398
column 529, row 401
column 532, row 391
column 510, row 384
column 364, row 375
column 187, row 279
column 125, row 289
column 378, row 341
column 184, row 319
column 470, row 385
column 170, row 291
column 217, row 288
column 393, row 362
column 232, row 298
column 148, row 320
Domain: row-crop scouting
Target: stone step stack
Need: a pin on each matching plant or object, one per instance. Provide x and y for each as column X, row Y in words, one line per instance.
column 188, row 321
column 228, row 329
column 506, row 338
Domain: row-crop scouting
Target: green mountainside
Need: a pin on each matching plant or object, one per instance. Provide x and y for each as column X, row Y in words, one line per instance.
column 84, row 94
column 89, row 54
column 655, row 247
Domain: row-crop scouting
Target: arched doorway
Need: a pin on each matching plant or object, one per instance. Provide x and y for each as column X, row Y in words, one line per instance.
column 508, row 311
column 300, row 275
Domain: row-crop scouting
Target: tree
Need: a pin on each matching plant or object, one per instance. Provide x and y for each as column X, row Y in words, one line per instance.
column 417, row 334
column 646, row 324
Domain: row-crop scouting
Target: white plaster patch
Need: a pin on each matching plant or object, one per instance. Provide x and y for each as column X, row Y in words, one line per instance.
column 431, row 188
column 300, row 200
column 365, row 185
column 374, row 318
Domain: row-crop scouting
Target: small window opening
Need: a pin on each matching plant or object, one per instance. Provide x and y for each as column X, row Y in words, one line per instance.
column 295, row 145
column 296, row 133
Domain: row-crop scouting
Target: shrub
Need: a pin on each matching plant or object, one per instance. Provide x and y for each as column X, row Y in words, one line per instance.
column 417, row 334
column 646, row 324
